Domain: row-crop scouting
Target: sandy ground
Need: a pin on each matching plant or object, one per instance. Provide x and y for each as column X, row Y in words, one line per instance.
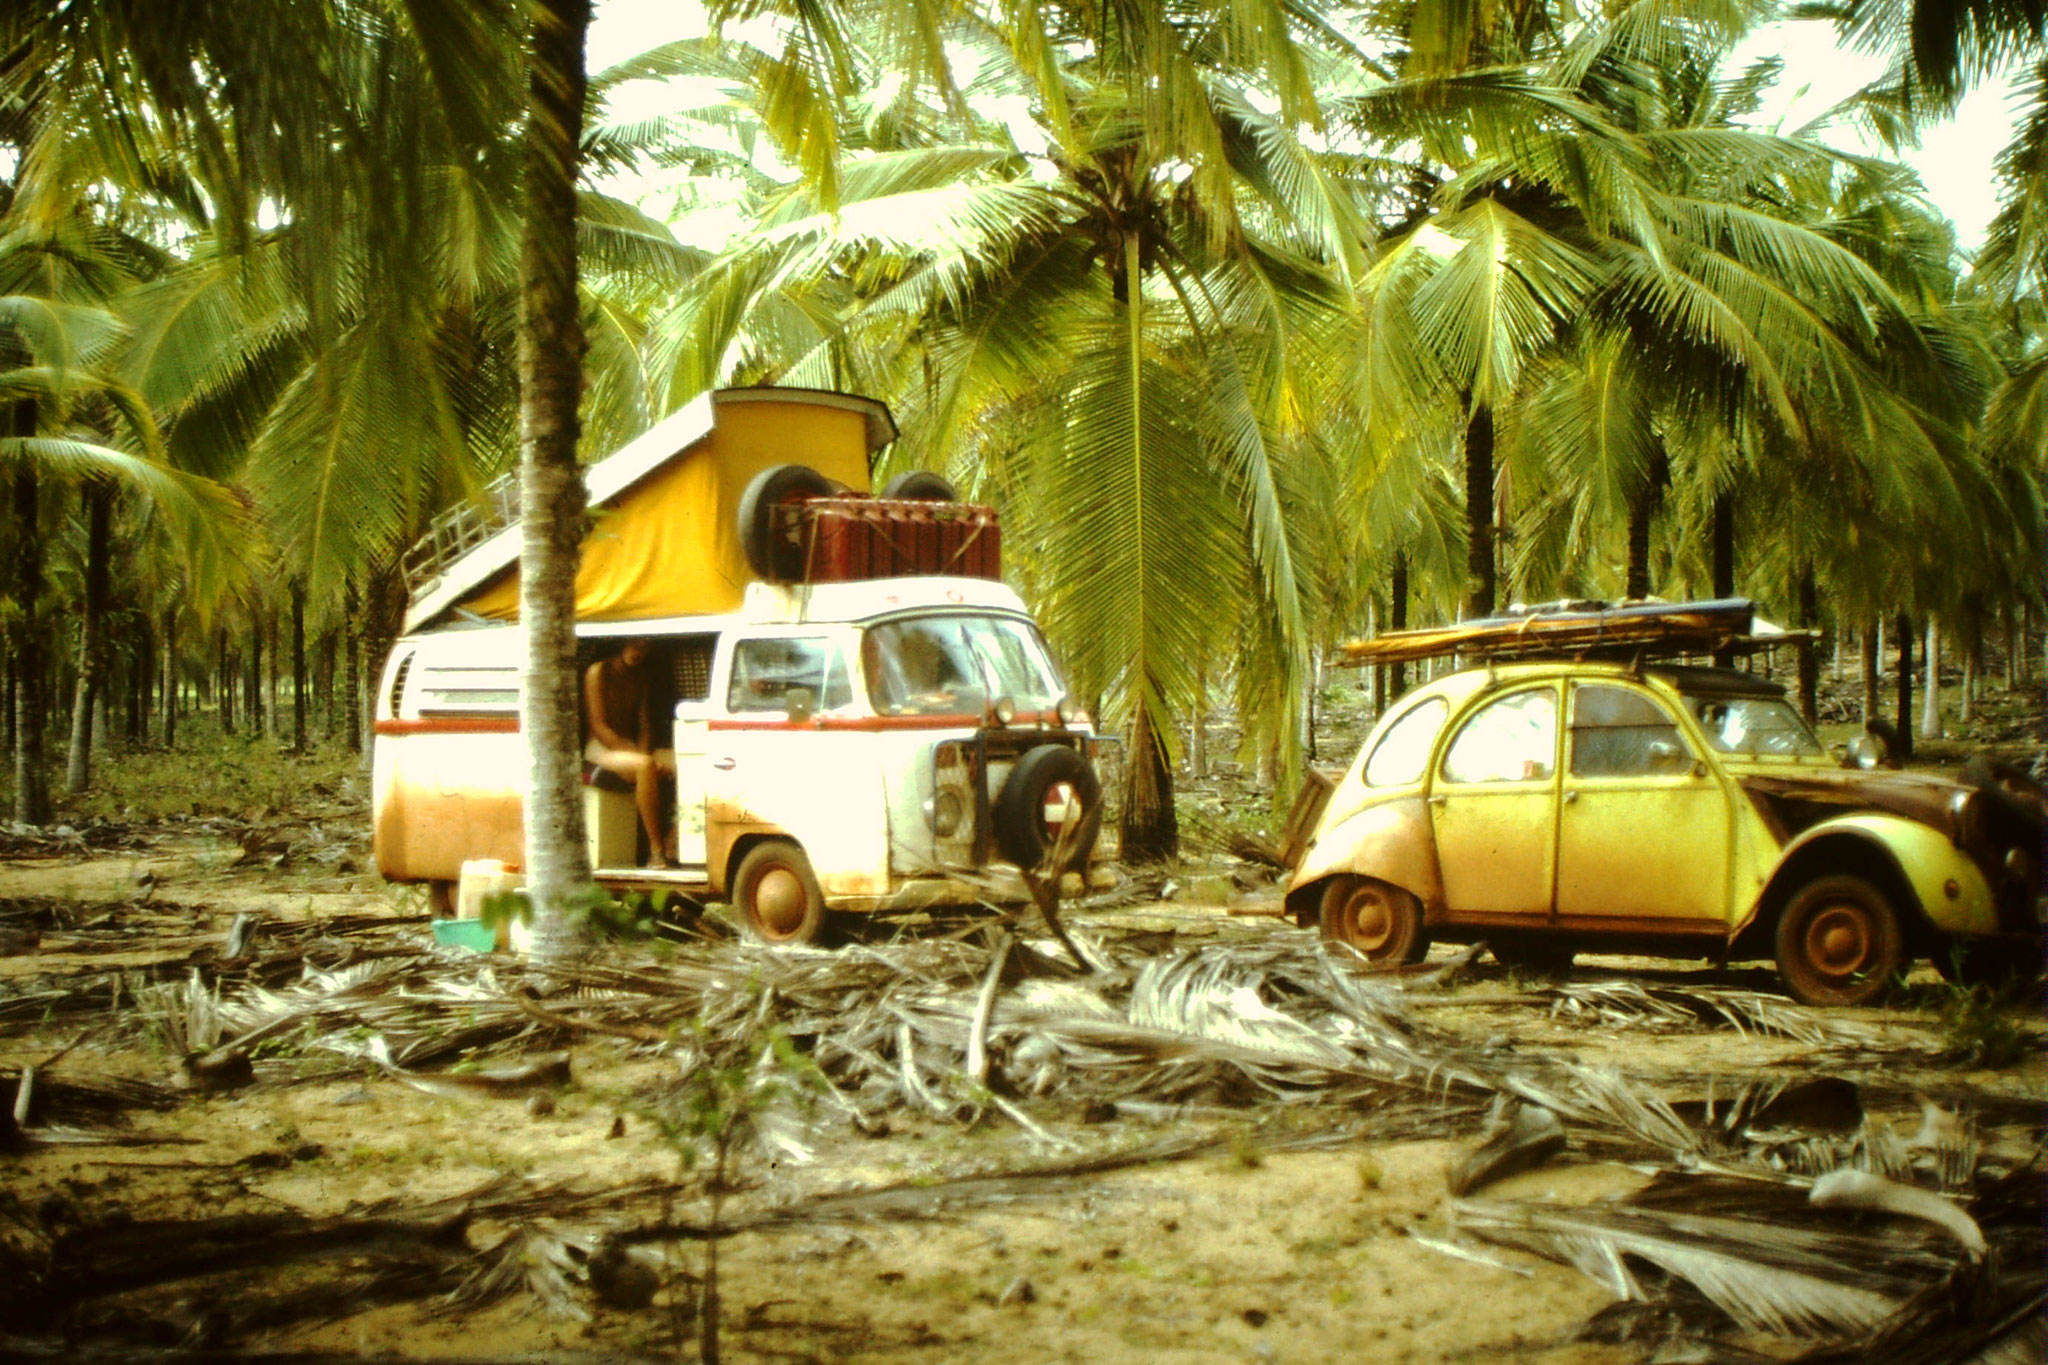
column 1246, row 1251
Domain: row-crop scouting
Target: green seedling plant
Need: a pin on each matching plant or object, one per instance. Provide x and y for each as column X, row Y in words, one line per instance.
column 595, row 911
column 745, row 1086
column 1979, row 1026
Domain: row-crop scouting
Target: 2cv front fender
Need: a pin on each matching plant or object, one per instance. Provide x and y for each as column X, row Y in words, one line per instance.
column 1945, row 892
column 1390, row 841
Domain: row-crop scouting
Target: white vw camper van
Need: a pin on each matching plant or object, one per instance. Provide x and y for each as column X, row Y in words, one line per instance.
column 862, row 716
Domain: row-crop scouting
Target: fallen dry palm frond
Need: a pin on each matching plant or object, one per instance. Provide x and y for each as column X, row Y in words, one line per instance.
column 70, row 1098
column 1765, row 1276
column 1623, row 1004
column 1875, row 1270
column 944, row 1026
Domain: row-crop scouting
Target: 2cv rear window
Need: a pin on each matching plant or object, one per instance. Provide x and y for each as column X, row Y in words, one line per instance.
column 1403, row 751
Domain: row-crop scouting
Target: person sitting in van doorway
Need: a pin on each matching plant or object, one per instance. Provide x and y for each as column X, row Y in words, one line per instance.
column 618, row 703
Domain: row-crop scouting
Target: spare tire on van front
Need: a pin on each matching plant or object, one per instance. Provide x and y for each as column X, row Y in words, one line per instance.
column 1046, row 778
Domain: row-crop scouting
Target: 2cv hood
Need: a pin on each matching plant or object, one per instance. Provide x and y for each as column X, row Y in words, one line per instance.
column 1793, row 801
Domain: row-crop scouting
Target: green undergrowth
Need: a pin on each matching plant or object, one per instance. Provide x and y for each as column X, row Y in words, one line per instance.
column 244, row 777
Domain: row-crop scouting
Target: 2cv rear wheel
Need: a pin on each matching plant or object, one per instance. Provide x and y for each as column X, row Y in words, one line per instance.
column 1383, row 923
column 1839, row 942
column 776, row 897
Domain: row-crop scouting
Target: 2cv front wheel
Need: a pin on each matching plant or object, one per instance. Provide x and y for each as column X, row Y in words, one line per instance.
column 776, row 896
column 1382, row 923
column 1839, row 942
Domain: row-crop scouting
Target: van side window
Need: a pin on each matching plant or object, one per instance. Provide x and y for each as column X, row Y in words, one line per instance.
column 765, row 671
column 690, row 661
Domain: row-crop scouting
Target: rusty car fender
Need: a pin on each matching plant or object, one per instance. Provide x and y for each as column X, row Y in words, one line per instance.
column 1390, row 841
column 1952, row 893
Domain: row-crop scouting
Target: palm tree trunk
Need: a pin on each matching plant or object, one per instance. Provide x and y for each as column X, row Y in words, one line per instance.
column 1905, row 634
column 1809, row 660
column 272, row 679
column 1724, row 544
column 551, row 346
column 99, row 536
column 1930, row 697
column 139, row 673
column 1151, row 829
column 2013, row 645
column 1479, row 476
column 1724, row 559
column 1867, row 643
column 1642, row 514
column 226, row 685
column 298, row 666
column 31, row 783
column 323, row 686
column 1397, row 619
column 352, row 669
column 167, row 658
column 1640, row 511
column 1973, row 674
column 252, row 681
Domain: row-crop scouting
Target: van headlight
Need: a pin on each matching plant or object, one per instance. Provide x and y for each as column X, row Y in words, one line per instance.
column 1067, row 712
column 943, row 811
column 1005, row 710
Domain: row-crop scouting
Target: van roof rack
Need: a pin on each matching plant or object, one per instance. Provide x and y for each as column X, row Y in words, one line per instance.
column 1639, row 630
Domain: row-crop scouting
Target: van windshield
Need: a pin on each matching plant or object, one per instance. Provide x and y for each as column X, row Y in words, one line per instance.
column 957, row 664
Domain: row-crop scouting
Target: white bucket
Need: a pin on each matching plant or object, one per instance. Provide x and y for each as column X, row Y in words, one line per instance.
column 481, row 879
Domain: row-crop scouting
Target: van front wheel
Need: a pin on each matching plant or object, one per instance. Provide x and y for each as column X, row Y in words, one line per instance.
column 776, row 896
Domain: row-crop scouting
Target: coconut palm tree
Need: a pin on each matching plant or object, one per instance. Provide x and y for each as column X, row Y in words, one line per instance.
column 1087, row 319
column 1642, row 264
column 59, row 401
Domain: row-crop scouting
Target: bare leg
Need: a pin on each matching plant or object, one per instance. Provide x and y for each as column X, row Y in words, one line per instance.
column 647, row 793
column 644, row 772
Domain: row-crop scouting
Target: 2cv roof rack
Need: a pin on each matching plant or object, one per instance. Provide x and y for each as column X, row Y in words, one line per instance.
column 1637, row 631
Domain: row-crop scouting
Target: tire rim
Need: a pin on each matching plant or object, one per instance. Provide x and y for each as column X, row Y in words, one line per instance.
column 1839, row 940
column 1369, row 920
column 1062, row 808
column 779, row 902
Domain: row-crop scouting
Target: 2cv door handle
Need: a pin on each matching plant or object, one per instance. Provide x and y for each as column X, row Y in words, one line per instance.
column 724, row 763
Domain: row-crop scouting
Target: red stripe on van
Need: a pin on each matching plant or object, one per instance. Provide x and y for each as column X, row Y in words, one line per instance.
column 863, row 724
column 450, row 725
column 873, row 724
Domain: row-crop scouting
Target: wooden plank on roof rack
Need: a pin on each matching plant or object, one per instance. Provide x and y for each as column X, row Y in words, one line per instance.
column 1651, row 629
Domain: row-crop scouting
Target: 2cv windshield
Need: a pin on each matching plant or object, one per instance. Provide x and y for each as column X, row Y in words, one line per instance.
column 1753, row 725
column 957, row 664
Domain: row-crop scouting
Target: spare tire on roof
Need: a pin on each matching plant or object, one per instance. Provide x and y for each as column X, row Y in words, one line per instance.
column 776, row 558
column 920, row 485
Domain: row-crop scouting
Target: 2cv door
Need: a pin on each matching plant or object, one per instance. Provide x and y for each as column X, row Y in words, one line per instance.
column 1493, row 802
column 1643, row 837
